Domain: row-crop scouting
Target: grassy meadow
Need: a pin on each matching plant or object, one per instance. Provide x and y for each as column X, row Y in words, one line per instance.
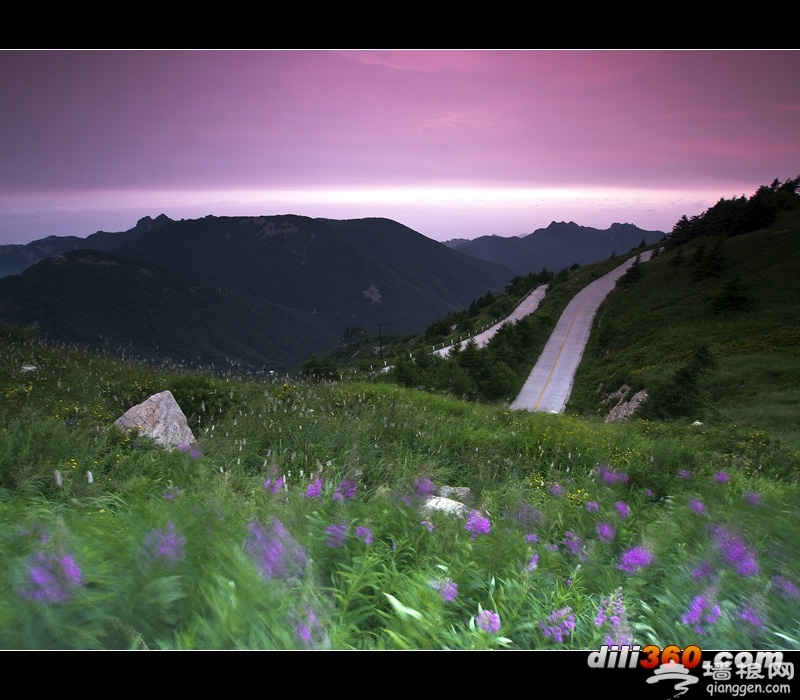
column 295, row 522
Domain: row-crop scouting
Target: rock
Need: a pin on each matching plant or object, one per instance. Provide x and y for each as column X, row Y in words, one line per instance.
column 624, row 409
column 462, row 493
column 160, row 418
column 446, row 505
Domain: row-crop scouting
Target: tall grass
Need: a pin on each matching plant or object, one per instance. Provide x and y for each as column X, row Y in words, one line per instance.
column 298, row 522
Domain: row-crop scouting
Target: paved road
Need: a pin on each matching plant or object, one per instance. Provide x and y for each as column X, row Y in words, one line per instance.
column 528, row 305
column 550, row 382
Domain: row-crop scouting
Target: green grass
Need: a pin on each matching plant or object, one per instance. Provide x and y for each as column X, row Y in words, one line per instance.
column 205, row 589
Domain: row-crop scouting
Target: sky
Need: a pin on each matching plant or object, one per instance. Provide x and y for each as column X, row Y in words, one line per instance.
column 454, row 144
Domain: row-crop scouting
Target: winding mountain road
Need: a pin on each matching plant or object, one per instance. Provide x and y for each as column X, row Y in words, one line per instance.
column 549, row 384
column 527, row 306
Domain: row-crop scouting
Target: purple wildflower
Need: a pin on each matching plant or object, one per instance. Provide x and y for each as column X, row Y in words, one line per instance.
column 701, row 610
column 611, row 615
column 635, row 559
column 592, row 507
column 447, row 589
column 525, row 515
column 572, row 542
column 166, row 545
column 611, row 477
column 533, row 564
column 605, row 532
column 192, row 451
column 52, row 578
column 703, row 571
column 751, row 615
column 722, row 477
column 314, row 489
column 477, row 524
column 364, row 534
column 274, row 485
column 309, row 631
column 428, row 524
column 171, row 493
column 752, row 498
column 488, row 621
column 425, row 487
column 697, row 506
column 274, row 551
column 346, row 490
column 622, row 509
column 558, row 624
column 532, row 538
column 557, row 490
column 684, row 474
column 336, row 535
column 787, row 588
column 736, row 552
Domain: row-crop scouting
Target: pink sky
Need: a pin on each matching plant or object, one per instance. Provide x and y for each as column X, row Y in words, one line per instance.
column 450, row 143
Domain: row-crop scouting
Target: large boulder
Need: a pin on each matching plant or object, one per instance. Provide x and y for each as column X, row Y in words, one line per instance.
column 160, row 418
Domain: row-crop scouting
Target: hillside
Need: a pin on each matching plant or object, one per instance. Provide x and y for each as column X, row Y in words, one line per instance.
column 556, row 247
column 738, row 297
column 16, row 258
column 134, row 308
column 276, row 289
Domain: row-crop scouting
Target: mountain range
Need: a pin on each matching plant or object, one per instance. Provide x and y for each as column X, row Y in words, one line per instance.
column 266, row 292
column 559, row 245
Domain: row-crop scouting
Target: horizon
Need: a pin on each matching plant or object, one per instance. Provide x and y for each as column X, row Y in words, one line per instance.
column 453, row 144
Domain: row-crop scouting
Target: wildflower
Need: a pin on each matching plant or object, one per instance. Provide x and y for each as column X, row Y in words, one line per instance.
column 736, row 552
column 684, row 474
column 701, row 610
column 752, row 498
column 447, row 589
column 592, row 507
column 697, row 506
column 573, row 542
column 309, row 631
column 192, row 451
column 525, row 515
column 425, row 487
column 428, row 524
column 477, row 525
column 605, row 532
column 703, row 571
column 622, row 509
column 533, row 564
column 722, row 477
column 532, row 538
column 787, row 588
column 51, row 578
column 274, row 485
column 346, row 490
column 171, row 493
column 314, row 489
column 274, row 551
column 611, row 613
column 558, row 624
column 488, row 621
column 635, row 559
column 557, row 490
column 336, row 535
column 364, row 534
column 166, row 544
column 611, row 477
column 751, row 615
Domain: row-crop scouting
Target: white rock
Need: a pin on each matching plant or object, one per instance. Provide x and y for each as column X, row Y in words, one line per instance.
column 160, row 418
column 446, row 505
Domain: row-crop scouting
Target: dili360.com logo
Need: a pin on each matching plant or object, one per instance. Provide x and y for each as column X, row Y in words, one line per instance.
column 675, row 665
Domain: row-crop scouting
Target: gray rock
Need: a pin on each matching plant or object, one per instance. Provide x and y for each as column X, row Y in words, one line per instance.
column 160, row 418
column 446, row 505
